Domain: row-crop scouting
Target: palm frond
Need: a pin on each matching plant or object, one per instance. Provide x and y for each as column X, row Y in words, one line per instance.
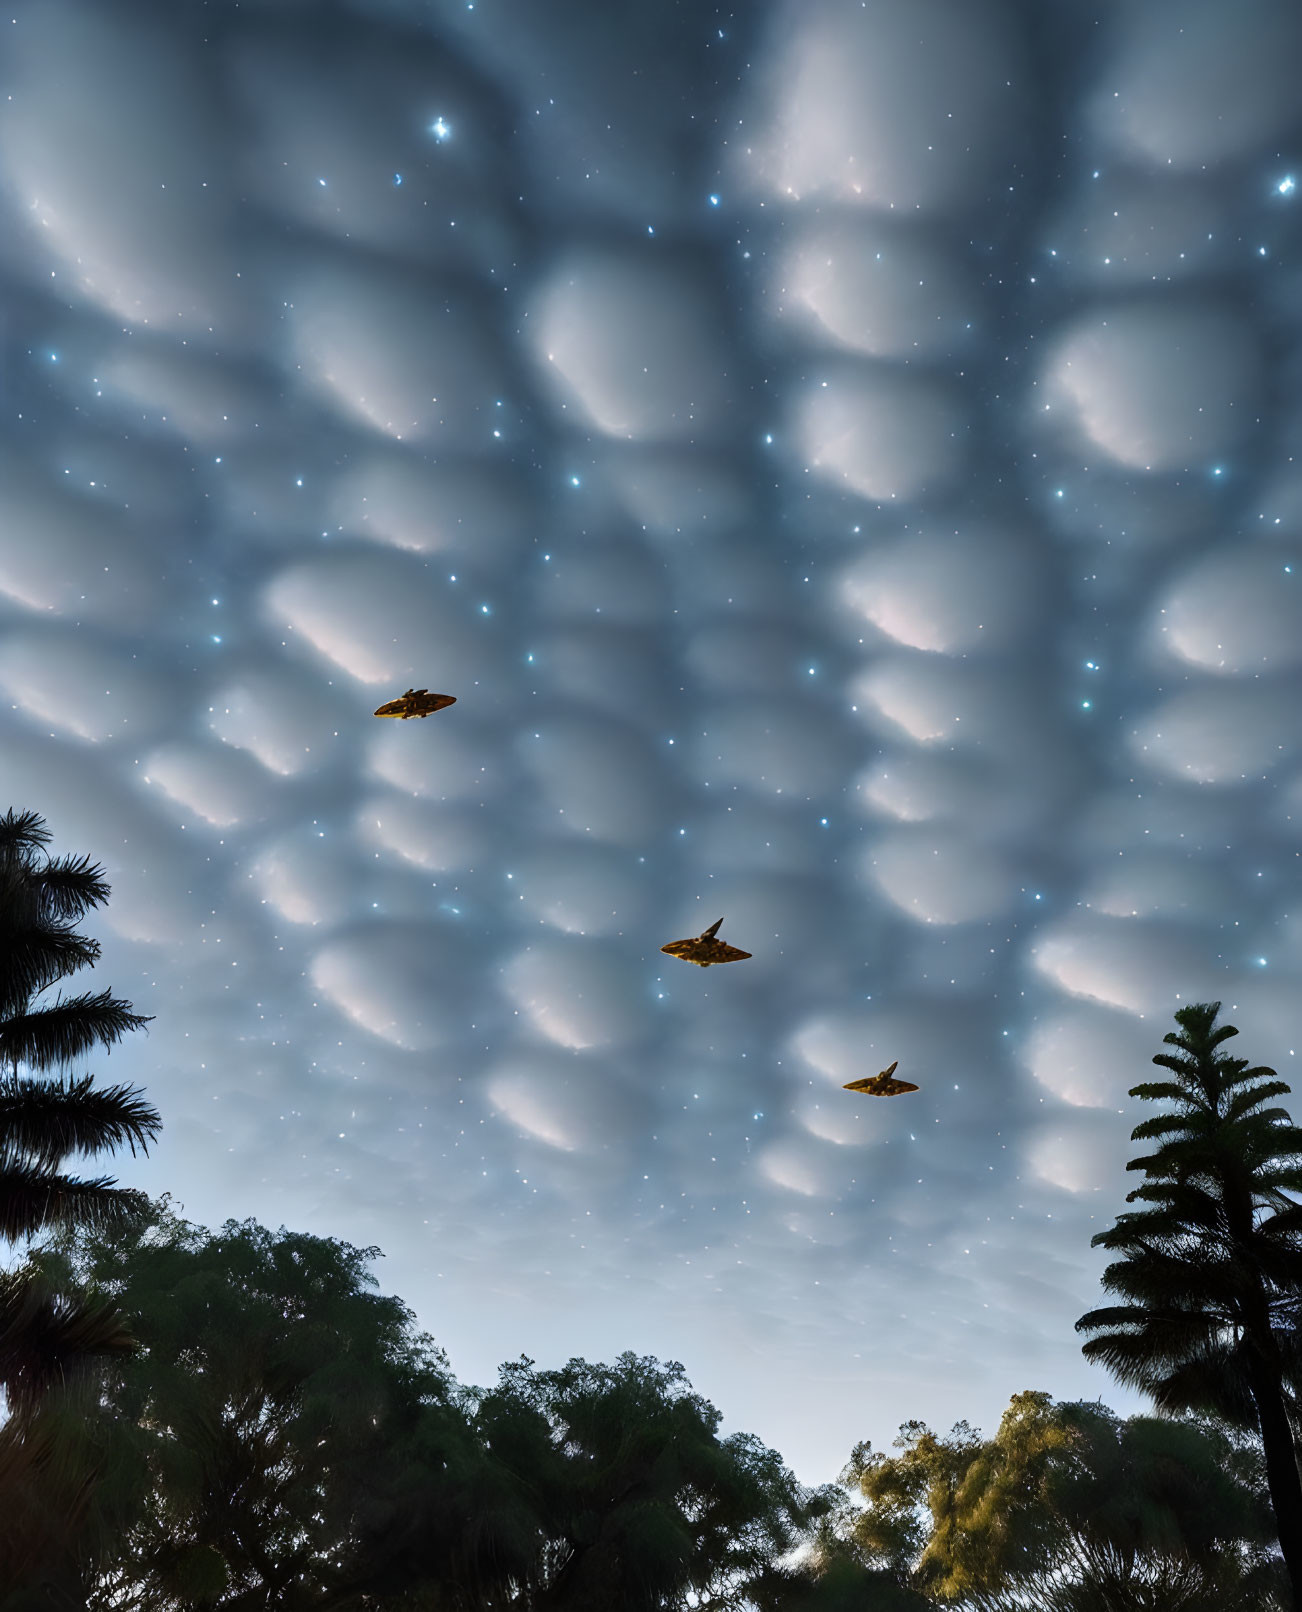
column 65, row 1031
column 1159, row 1125
column 36, row 956
column 22, row 831
column 68, row 885
column 1243, row 1102
column 1283, row 1223
column 1161, row 1090
column 48, row 1338
column 46, row 1485
column 32, row 1199
column 1131, row 1356
column 48, row 1120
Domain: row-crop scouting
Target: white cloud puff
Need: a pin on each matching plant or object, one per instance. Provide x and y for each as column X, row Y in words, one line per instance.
column 1141, row 967
column 449, row 763
column 1156, row 386
column 1183, row 92
column 927, row 787
column 280, row 715
column 948, row 592
column 847, row 1119
column 581, row 888
column 221, row 786
column 577, row 994
column 307, row 877
column 1238, row 610
column 803, row 1164
column 875, row 287
column 413, row 361
column 632, row 343
column 1154, row 882
column 1090, row 1056
column 940, row 877
column 92, row 688
column 112, row 152
column 848, row 1043
column 567, row 1102
column 64, row 552
column 1084, row 1155
column 436, row 838
column 469, row 510
column 1218, row 734
column 391, row 979
column 939, row 702
column 382, row 617
column 882, row 433
column 874, row 106
column 202, row 398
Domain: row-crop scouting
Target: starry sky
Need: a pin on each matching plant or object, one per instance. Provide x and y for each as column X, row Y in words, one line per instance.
column 843, row 459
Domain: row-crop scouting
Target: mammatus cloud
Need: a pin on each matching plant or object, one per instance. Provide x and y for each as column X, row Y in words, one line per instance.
column 829, row 510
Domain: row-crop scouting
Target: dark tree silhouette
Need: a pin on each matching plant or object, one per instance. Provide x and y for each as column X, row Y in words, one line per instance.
column 50, row 1339
column 251, row 1442
column 1213, row 1269
column 637, row 1502
column 285, row 1438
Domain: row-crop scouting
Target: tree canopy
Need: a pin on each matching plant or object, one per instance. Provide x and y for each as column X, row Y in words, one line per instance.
column 1067, row 1509
column 285, row 1437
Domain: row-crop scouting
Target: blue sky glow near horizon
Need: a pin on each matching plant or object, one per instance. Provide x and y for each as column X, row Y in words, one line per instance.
column 843, row 459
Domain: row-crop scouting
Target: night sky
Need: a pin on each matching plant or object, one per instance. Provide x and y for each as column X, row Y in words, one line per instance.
column 846, row 461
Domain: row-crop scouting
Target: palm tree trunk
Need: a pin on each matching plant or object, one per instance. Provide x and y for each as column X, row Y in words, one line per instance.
column 1282, row 1476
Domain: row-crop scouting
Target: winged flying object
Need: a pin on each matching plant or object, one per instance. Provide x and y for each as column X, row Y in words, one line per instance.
column 416, row 702
column 705, row 948
column 883, row 1085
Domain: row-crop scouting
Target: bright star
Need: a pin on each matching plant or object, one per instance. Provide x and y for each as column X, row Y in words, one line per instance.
column 439, row 129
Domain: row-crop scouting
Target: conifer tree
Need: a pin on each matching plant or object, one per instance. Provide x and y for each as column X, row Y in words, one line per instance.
column 1212, row 1268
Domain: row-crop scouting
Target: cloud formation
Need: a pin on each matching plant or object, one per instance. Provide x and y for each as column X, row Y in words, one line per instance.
column 840, row 460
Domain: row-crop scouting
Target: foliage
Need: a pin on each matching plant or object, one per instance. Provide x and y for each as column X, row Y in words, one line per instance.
column 284, row 1438
column 1212, row 1269
column 269, row 1388
column 637, row 1500
column 1069, row 1510
column 51, row 1337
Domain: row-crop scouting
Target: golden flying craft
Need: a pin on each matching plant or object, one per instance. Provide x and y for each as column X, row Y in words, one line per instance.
column 704, row 949
column 881, row 1085
column 416, row 702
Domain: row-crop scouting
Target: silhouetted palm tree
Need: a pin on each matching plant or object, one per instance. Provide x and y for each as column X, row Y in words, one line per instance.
column 49, row 1339
column 1213, row 1269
